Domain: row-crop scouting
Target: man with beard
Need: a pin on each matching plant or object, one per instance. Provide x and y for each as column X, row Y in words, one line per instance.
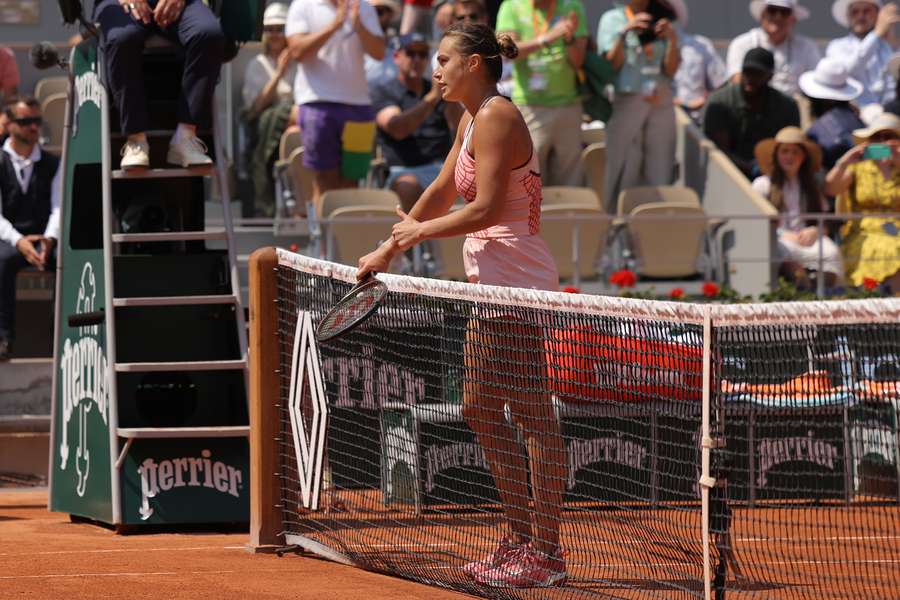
column 867, row 48
column 29, row 208
column 749, row 110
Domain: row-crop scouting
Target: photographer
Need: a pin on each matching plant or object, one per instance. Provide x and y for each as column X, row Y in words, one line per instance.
column 642, row 45
column 867, row 180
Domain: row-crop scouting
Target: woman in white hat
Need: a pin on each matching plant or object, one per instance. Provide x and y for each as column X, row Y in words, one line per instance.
column 268, row 95
column 867, row 180
column 830, row 90
column 789, row 163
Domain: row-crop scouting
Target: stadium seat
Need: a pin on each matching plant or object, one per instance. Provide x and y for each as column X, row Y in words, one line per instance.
column 352, row 231
column 593, row 228
column 49, row 86
column 54, row 110
column 593, row 159
column 631, row 198
column 593, row 135
column 570, row 195
column 290, row 141
column 668, row 238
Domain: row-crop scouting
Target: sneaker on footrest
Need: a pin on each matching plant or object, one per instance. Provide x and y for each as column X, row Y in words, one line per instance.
column 188, row 151
column 135, row 155
column 501, row 554
column 527, row 568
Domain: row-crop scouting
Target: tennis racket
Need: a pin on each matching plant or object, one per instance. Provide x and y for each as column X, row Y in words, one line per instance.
column 351, row 310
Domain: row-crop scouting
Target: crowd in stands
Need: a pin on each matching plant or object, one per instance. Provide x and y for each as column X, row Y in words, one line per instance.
column 812, row 131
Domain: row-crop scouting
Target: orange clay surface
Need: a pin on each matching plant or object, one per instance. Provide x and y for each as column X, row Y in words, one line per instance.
column 44, row 555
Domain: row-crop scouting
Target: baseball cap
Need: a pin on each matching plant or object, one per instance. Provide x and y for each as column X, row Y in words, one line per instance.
column 408, row 39
column 759, row 59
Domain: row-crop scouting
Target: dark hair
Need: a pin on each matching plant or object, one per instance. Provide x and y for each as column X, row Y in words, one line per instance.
column 475, row 38
column 28, row 101
column 811, row 199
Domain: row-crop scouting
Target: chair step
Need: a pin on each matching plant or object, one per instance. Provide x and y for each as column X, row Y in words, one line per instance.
column 200, row 171
column 174, row 300
column 196, row 365
column 170, row 236
column 184, row 432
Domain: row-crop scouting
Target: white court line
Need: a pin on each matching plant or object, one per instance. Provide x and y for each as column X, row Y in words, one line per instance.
column 806, row 540
column 117, row 550
column 137, row 574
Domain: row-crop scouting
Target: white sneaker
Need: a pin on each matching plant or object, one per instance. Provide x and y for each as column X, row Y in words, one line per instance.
column 188, row 151
column 135, row 155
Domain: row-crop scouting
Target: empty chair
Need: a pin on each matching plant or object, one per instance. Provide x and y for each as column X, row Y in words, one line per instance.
column 290, row 141
column 49, row 86
column 570, row 196
column 335, row 199
column 667, row 238
column 593, row 135
column 575, row 234
column 593, row 158
column 54, row 111
column 631, row 198
column 300, row 179
column 352, row 231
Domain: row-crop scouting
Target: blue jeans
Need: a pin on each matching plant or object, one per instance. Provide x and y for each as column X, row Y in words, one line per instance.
column 424, row 174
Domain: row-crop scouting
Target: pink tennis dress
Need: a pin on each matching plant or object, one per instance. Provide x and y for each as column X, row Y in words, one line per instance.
column 511, row 253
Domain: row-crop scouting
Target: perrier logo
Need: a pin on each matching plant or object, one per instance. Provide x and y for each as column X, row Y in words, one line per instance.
column 84, row 384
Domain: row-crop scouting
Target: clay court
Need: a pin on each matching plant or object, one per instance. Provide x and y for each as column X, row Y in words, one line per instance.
column 44, row 555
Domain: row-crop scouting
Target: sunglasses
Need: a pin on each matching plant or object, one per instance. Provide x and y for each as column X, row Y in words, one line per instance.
column 26, row 121
column 469, row 17
column 423, row 54
column 883, row 136
column 778, row 11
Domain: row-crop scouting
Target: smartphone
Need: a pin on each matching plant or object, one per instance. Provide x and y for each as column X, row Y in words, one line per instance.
column 877, row 152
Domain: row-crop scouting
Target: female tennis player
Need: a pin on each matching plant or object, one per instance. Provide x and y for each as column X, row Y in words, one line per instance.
column 492, row 165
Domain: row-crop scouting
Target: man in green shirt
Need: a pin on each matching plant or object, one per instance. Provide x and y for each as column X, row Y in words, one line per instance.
column 552, row 40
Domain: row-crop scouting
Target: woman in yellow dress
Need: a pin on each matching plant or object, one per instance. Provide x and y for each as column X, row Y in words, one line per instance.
column 867, row 180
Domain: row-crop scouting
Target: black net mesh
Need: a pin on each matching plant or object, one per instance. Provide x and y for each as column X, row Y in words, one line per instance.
column 453, row 424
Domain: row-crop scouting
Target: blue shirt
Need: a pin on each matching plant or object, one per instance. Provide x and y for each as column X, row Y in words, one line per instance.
column 833, row 132
column 866, row 60
column 643, row 64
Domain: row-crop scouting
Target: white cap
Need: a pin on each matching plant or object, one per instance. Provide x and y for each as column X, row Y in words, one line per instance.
column 757, row 7
column 276, row 14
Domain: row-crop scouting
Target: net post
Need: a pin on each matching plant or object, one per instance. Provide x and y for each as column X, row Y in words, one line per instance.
column 265, row 517
column 706, row 481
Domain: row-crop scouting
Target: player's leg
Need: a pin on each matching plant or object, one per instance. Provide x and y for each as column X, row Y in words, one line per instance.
column 483, row 408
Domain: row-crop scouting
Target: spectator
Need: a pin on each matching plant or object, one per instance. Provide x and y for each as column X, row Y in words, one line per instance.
column 790, row 163
column 552, row 38
column 893, row 70
column 329, row 39
column 474, row 11
column 378, row 71
column 412, row 130
column 269, row 104
column 9, row 75
column 794, row 54
column 4, row 124
column 702, row 71
column 640, row 134
column 871, row 245
column 30, row 192
column 743, row 113
column 866, row 50
column 830, row 91
column 126, row 24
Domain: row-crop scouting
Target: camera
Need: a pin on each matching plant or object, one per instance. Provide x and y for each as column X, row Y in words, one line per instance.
column 658, row 9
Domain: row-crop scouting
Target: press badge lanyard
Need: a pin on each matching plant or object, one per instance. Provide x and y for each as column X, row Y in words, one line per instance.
column 538, row 29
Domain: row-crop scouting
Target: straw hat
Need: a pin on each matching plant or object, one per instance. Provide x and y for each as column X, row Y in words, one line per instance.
column 830, row 81
column 765, row 150
column 275, row 14
column 884, row 122
column 757, row 7
column 840, row 7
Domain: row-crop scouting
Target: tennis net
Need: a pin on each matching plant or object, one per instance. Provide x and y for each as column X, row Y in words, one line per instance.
column 689, row 450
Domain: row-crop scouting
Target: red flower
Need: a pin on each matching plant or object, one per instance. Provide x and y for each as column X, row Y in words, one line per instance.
column 293, row 247
column 571, row 290
column 710, row 289
column 676, row 294
column 623, row 278
column 870, row 284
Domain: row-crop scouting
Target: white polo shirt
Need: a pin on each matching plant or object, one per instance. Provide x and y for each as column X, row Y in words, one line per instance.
column 793, row 57
column 337, row 72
